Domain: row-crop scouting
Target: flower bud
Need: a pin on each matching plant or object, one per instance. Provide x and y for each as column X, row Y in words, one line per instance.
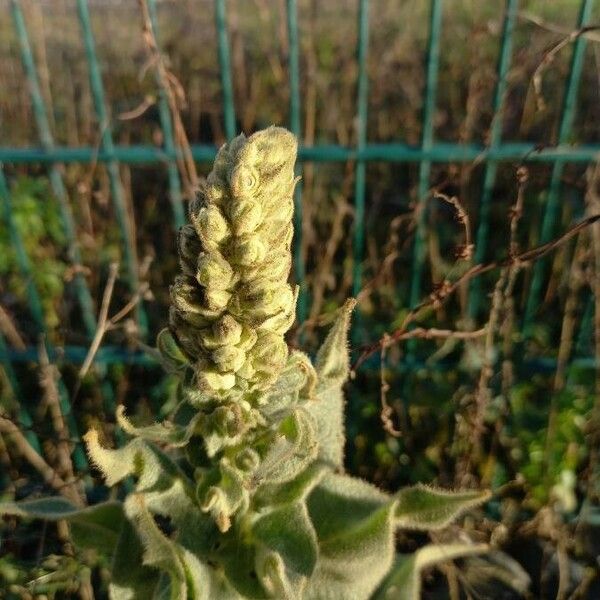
column 227, row 331
column 244, row 180
column 215, row 381
column 214, row 272
column 269, row 351
column 189, row 249
column 228, row 358
column 211, row 225
column 232, row 305
column 216, row 300
column 248, row 250
column 245, row 216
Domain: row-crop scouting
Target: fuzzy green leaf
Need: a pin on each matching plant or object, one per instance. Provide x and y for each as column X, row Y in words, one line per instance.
column 173, row 358
column 288, row 531
column 226, row 497
column 130, row 579
column 153, row 468
column 96, row 527
column 52, row 509
column 238, row 559
column 404, row 582
column 278, row 582
column 293, row 450
column 333, row 362
column 422, row 507
column 354, row 525
column 159, row 551
column 332, row 366
column 291, row 491
column 165, row 432
column 296, row 382
column 205, row 580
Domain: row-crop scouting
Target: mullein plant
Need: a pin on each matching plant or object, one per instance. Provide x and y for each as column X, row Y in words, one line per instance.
column 242, row 494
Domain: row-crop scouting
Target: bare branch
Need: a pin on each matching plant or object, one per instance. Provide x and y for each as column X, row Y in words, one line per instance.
column 440, row 295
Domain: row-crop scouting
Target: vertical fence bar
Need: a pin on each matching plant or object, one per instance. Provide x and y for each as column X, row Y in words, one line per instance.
column 35, row 306
column 433, row 56
column 112, row 166
column 294, row 70
column 225, row 67
column 166, row 124
column 551, row 212
column 33, row 297
column 25, row 420
column 586, row 328
column 56, row 180
column 491, row 166
column 361, row 140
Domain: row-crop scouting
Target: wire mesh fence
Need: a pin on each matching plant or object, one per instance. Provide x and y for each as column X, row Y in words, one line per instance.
column 490, row 155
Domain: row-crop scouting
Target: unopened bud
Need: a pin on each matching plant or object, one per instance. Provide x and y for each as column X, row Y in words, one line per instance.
column 214, row 272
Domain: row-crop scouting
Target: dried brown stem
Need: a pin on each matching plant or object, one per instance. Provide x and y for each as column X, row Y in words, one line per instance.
column 548, row 59
column 174, row 94
column 464, row 252
column 386, row 410
column 48, row 377
column 139, row 110
column 9, row 330
column 102, row 318
column 50, row 476
column 440, row 295
column 105, row 324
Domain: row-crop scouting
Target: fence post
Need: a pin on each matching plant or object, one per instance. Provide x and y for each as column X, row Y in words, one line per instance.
column 225, row 68
column 491, row 166
column 112, row 166
column 552, row 203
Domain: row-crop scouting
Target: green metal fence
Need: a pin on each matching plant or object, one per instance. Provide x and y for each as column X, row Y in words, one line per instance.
column 430, row 151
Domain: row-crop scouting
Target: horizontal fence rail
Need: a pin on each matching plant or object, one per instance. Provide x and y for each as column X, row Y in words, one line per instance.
column 440, row 152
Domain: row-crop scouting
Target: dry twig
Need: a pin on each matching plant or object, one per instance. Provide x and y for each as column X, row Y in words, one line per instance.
column 441, row 295
column 9, row 330
column 465, row 251
column 548, row 59
column 386, row 410
column 175, row 95
column 50, row 476
column 48, row 376
column 106, row 324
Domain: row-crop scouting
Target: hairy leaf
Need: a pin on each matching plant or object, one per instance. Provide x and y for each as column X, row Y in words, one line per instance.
column 293, row 450
column 332, row 366
column 422, row 507
column 355, row 531
column 130, row 579
column 295, row 383
column 404, row 582
column 291, row 491
column 276, row 580
column 333, row 362
column 289, row 532
column 153, row 468
column 166, row 432
column 226, row 497
column 96, row 527
column 173, row 358
column 159, row 551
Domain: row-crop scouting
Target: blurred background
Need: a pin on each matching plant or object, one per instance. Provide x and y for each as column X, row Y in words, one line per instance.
column 435, row 136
